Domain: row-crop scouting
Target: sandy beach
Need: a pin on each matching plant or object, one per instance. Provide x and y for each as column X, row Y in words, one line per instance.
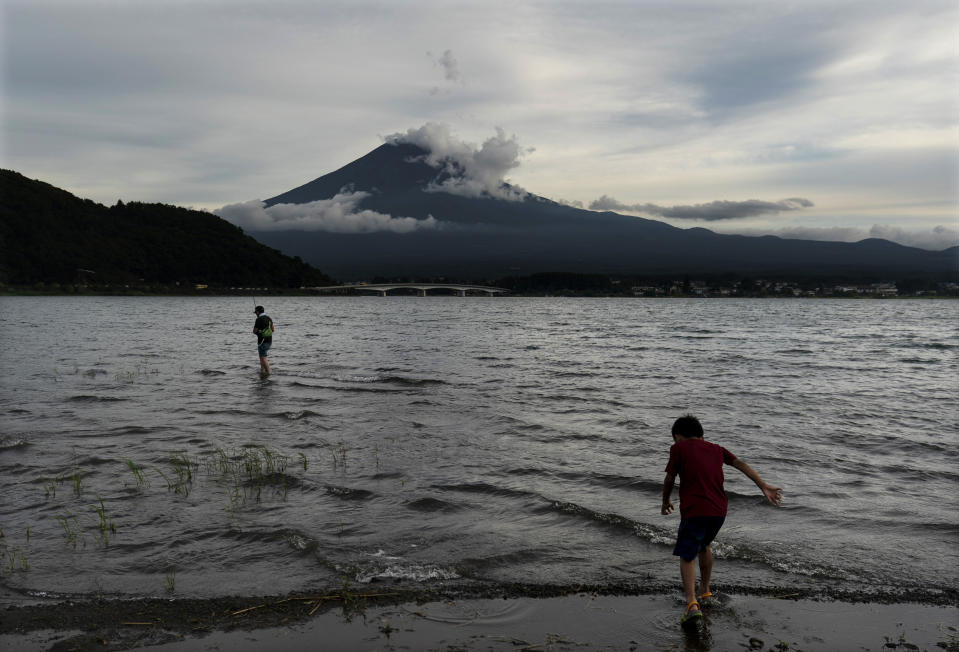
column 400, row 621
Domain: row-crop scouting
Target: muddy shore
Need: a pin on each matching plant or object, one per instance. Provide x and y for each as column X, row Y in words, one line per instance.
column 511, row 617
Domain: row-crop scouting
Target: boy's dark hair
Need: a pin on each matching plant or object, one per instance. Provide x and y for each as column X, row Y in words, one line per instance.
column 688, row 426
column 258, row 310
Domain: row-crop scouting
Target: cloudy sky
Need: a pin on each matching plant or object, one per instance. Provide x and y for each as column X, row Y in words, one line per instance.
column 827, row 119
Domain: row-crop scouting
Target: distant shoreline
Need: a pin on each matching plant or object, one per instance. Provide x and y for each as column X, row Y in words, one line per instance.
column 33, row 292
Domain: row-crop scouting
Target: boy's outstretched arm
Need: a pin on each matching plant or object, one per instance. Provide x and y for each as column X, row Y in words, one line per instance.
column 667, row 494
column 773, row 494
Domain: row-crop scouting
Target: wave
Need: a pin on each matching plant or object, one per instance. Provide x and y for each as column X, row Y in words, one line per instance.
column 300, row 541
column 432, row 505
column 941, row 346
column 474, row 566
column 373, row 572
column 650, row 533
column 485, row 488
column 88, row 398
column 294, row 416
column 395, row 380
column 348, row 493
column 6, row 443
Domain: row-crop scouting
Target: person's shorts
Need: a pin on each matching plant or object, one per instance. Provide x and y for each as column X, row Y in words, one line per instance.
column 263, row 347
column 695, row 533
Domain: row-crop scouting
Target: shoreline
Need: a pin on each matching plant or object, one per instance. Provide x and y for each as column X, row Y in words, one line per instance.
column 510, row 617
column 14, row 292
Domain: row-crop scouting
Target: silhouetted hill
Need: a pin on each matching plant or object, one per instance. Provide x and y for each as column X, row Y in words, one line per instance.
column 48, row 235
column 485, row 237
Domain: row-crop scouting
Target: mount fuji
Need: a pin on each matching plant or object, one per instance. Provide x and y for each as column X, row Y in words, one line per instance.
column 406, row 210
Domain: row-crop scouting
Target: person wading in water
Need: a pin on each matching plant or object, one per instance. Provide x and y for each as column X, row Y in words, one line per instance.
column 263, row 327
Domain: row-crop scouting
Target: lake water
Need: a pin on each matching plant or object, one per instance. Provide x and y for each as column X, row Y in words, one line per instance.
column 444, row 440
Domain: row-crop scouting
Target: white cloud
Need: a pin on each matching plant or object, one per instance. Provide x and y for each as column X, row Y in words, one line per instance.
column 336, row 215
column 471, row 172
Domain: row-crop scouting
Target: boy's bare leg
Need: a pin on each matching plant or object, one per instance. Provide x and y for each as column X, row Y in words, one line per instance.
column 687, row 569
column 264, row 365
column 705, row 569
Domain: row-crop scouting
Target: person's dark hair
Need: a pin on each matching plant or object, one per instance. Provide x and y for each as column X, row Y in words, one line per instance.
column 258, row 309
column 688, row 426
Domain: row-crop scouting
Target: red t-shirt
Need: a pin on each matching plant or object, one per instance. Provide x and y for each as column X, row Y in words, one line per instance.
column 699, row 464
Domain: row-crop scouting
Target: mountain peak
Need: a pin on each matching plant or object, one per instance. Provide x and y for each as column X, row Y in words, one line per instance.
column 388, row 168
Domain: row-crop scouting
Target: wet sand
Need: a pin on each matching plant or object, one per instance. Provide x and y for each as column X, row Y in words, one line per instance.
column 516, row 621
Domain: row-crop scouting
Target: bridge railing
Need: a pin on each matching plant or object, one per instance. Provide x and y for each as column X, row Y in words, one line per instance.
column 421, row 288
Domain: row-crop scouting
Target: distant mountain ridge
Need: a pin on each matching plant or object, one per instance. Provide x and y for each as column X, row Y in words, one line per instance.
column 485, row 237
column 48, row 235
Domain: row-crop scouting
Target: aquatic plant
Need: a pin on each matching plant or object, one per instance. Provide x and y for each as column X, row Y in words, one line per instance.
column 139, row 370
column 15, row 555
column 386, row 629
column 77, row 478
column 137, row 473
column 338, row 454
column 183, row 466
column 250, row 470
column 169, row 483
column 171, row 580
column 106, row 525
column 72, row 530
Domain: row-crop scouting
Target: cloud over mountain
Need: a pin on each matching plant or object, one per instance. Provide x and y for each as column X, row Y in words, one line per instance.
column 711, row 211
column 467, row 171
column 339, row 214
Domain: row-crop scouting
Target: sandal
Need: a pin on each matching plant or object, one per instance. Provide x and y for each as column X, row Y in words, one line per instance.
column 706, row 599
column 687, row 616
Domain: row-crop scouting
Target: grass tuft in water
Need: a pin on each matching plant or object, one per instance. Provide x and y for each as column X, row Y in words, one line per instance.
column 137, row 474
column 49, row 488
column 72, row 530
column 106, row 524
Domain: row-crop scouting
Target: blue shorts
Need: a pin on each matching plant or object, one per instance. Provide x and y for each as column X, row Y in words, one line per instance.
column 695, row 534
column 263, row 347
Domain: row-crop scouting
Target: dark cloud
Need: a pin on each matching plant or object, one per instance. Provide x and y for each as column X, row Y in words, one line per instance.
column 710, row 212
column 449, row 64
column 761, row 60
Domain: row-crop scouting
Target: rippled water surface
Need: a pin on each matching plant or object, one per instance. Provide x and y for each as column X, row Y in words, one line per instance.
column 446, row 439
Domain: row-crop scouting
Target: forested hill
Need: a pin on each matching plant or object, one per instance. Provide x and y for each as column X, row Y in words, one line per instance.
column 49, row 236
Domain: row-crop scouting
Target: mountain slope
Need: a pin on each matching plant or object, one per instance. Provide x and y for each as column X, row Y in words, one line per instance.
column 48, row 235
column 486, row 237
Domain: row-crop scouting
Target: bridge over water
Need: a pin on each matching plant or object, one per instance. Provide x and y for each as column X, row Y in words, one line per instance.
column 421, row 288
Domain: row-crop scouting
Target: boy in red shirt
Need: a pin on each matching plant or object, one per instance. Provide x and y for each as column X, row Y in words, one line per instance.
column 702, row 502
